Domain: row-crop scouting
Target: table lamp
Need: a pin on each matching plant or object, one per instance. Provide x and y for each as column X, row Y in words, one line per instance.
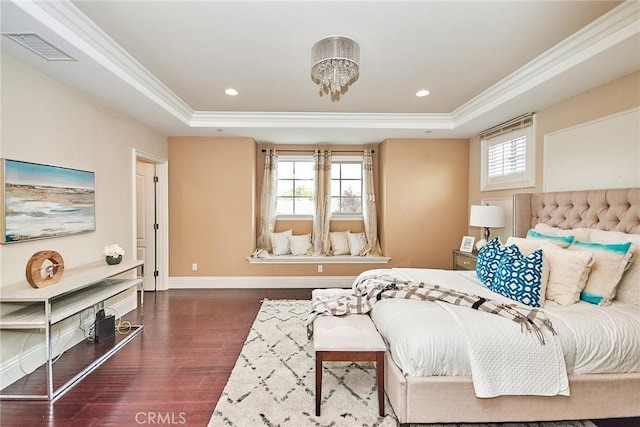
column 486, row 216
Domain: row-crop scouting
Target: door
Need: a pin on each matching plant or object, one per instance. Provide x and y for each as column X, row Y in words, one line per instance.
column 146, row 222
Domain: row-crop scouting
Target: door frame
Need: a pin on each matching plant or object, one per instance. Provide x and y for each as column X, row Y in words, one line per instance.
column 162, row 213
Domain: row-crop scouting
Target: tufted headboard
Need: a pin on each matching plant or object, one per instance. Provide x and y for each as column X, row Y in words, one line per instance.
column 617, row 209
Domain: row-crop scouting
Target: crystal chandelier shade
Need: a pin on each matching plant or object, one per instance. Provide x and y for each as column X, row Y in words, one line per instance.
column 335, row 63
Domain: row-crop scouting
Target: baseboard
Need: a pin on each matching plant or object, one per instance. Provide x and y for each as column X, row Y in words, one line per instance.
column 64, row 335
column 260, row 282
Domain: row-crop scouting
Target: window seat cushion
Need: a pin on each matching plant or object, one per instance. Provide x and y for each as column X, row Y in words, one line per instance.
column 311, row 259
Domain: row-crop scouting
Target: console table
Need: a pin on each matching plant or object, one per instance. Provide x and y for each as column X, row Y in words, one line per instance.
column 23, row 308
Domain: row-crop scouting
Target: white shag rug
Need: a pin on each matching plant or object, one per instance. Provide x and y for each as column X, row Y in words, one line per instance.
column 273, row 381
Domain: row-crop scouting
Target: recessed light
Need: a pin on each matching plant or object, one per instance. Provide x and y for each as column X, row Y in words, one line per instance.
column 422, row 92
column 231, row 92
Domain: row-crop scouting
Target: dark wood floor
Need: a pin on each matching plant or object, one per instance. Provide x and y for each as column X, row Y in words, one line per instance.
column 171, row 374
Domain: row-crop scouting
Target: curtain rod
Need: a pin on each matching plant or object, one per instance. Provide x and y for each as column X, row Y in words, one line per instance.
column 311, row 151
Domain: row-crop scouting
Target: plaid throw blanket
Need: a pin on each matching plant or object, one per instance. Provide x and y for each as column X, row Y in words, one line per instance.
column 370, row 289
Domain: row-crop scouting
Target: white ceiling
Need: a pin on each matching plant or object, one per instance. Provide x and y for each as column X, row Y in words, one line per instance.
column 167, row 63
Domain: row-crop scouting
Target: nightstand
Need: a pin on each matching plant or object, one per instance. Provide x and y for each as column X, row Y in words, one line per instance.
column 464, row 260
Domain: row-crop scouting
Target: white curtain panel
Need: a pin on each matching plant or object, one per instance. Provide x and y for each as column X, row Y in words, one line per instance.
column 322, row 202
column 369, row 212
column 268, row 200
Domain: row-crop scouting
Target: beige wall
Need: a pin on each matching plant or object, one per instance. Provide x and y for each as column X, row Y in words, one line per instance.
column 613, row 97
column 211, row 204
column 214, row 190
column 45, row 121
column 423, row 199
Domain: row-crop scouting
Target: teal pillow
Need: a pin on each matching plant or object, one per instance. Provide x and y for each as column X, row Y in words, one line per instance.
column 562, row 241
column 489, row 257
column 520, row 279
column 609, row 264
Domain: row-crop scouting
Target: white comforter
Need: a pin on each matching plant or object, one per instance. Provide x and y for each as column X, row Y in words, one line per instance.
column 425, row 340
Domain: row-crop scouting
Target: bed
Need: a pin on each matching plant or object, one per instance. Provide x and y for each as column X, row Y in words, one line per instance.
column 452, row 398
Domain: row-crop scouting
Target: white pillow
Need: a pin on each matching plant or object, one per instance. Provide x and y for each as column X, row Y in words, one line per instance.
column 280, row 242
column 628, row 289
column 339, row 242
column 526, row 246
column 357, row 242
column 568, row 273
column 300, row 245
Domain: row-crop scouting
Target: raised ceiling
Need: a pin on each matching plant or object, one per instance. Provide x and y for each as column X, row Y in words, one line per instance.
column 167, row 63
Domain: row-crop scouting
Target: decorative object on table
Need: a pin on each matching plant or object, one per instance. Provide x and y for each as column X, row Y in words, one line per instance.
column 44, row 268
column 113, row 253
column 480, row 244
column 42, row 201
column 486, row 216
column 335, row 64
column 467, row 244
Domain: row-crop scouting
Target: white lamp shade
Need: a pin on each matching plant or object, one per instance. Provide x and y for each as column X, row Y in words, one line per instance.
column 486, row 216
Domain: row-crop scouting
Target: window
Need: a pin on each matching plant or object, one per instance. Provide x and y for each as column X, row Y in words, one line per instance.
column 295, row 186
column 294, row 194
column 346, row 187
column 508, row 153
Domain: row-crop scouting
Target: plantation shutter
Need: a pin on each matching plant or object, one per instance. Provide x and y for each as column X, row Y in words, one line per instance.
column 508, row 153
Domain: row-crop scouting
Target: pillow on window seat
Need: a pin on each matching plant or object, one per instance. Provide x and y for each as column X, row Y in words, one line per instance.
column 357, row 242
column 339, row 242
column 280, row 242
column 300, row 244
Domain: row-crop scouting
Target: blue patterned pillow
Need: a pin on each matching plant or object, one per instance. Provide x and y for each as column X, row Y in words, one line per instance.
column 520, row 278
column 489, row 257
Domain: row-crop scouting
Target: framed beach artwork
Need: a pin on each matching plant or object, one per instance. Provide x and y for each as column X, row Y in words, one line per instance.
column 41, row 201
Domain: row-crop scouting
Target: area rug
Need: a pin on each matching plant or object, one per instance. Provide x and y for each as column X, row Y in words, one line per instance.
column 273, row 381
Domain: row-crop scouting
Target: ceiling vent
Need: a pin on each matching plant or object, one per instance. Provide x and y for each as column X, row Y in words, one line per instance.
column 37, row 44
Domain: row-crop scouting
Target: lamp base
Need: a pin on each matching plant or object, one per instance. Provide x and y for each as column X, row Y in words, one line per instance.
column 485, row 233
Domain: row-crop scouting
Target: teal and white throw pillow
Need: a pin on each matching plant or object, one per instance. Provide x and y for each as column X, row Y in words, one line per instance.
column 562, row 241
column 489, row 257
column 521, row 279
column 609, row 264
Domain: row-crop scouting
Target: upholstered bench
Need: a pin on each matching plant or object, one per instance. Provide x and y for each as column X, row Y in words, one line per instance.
column 348, row 338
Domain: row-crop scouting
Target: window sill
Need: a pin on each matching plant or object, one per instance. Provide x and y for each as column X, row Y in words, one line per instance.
column 305, row 259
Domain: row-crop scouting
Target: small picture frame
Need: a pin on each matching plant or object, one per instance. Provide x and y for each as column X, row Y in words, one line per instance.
column 467, row 244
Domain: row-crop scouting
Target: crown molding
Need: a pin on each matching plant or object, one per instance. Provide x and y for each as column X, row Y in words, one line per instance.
column 610, row 29
column 68, row 22
column 314, row 120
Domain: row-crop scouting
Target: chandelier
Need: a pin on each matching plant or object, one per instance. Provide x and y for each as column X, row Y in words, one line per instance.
column 335, row 64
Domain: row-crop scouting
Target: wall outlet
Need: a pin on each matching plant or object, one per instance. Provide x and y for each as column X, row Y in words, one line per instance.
column 320, row 268
column 194, row 266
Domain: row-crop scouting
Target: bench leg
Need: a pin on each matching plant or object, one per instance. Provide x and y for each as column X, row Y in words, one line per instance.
column 380, row 379
column 318, row 381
